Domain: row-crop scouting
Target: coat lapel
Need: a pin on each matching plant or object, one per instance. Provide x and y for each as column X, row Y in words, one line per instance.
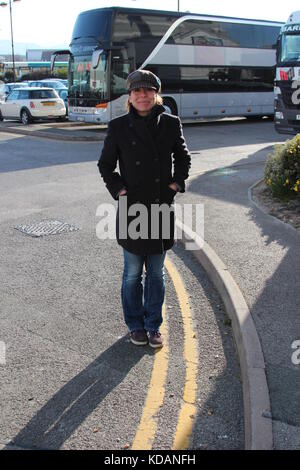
column 162, row 130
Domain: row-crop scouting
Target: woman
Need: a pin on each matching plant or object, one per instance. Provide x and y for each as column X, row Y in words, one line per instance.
column 143, row 142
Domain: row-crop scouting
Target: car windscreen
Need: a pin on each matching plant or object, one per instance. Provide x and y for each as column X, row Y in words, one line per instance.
column 41, row 94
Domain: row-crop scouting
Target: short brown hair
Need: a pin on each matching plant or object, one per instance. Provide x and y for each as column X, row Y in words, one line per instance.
column 159, row 100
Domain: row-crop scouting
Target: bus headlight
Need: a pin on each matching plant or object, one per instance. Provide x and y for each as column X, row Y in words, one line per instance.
column 278, row 115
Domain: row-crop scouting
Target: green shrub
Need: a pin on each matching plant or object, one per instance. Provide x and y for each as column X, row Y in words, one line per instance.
column 282, row 170
column 61, row 73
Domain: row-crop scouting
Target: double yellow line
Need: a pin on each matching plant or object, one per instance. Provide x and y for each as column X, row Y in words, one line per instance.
column 145, row 434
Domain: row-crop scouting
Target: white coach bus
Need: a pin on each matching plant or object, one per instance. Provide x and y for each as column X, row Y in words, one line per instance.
column 210, row 66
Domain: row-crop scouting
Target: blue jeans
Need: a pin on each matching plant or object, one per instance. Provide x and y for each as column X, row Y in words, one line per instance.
column 139, row 315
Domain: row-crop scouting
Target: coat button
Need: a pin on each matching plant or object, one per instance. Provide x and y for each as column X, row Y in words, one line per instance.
column 156, row 160
column 133, row 142
column 157, row 199
column 138, row 162
column 157, row 180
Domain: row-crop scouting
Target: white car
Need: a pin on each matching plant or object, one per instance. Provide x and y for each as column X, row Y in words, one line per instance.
column 7, row 88
column 28, row 104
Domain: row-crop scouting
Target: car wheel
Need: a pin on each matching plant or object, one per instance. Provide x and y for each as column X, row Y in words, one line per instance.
column 25, row 117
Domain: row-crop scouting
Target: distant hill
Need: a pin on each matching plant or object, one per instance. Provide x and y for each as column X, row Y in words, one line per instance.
column 21, row 47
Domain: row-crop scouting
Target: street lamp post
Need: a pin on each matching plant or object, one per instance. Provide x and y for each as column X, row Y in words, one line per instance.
column 12, row 41
column 4, row 4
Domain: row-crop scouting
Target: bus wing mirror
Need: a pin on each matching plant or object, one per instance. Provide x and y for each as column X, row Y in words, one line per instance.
column 55, row 54
column 96, row 58
column 53, row 57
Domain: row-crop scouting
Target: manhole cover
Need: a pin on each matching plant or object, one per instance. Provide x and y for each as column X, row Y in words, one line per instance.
column 46, row 227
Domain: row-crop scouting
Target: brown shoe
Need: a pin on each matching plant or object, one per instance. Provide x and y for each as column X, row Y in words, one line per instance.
column 155, row 339
column 139, row 337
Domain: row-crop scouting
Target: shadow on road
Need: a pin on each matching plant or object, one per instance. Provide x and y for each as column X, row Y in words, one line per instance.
column 69, row 407
column 27, row 153
column 263, row 256
column 223, row 134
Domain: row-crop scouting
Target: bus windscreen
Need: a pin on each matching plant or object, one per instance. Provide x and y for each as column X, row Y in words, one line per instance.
column 93, row 24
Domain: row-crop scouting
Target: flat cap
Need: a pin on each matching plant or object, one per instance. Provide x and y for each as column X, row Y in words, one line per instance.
column 142, row 79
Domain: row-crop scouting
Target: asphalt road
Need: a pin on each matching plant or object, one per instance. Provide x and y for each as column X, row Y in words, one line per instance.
column 72, row 379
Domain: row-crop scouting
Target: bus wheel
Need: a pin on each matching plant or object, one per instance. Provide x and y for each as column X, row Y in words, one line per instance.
column 1, row 117
column 170, row 105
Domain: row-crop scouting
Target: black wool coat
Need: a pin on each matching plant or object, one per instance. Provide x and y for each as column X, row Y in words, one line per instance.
column 151, row 153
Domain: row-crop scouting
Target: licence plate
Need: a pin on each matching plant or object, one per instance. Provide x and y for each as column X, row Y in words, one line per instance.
column 80, row 110
column 298, row 117
column 49, row 103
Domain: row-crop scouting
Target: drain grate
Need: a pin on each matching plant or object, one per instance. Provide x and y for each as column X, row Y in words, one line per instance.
column 46, row 227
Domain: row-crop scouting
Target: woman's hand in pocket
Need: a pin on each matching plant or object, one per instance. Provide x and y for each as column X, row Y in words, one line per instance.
column 122, row 192
column 174, row 186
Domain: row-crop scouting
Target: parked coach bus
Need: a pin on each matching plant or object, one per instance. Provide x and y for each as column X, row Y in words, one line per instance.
column 210, row 66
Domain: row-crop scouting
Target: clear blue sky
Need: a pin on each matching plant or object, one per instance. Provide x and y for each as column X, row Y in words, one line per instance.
column 49, row 23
